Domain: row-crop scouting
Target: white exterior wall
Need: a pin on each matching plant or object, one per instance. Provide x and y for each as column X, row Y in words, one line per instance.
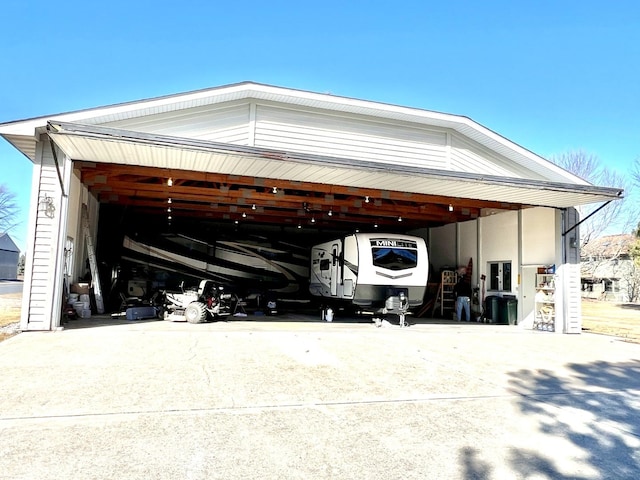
column 499, row 244
column 43, row 273
column 539, row 249
column 349, row 137
column 442, row 249
column 539, row 236
column 468, row 156
column 220, row 123
column 79, row 195
column 569, row 274
column 335, row 134
column 468, row 247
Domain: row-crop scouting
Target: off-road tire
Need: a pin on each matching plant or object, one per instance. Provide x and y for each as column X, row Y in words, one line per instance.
column 195, row 313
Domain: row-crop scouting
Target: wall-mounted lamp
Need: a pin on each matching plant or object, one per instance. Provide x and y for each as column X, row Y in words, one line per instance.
column 47, row 205
column 170, row 182
column 330, row 213
column 169, row 210
column 244, row 214
column 253, row 207
column 313, row 219
column 399, row 219
column 450, row 208
column 169, row 218
column 274, row 189
column 366, row 199
column 169, row 200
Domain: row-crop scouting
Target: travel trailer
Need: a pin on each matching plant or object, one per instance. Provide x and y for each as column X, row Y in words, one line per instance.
column 368, row 269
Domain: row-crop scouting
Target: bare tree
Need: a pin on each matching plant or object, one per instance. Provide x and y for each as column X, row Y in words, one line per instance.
column 635, row 171
column 8, row 209
column 619, row 215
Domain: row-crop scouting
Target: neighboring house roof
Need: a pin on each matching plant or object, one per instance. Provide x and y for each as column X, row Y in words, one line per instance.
column 609, row 246
column 133, row 132
column 7, row 244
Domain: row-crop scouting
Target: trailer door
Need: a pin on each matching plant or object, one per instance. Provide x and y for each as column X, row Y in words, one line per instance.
column 335, row 268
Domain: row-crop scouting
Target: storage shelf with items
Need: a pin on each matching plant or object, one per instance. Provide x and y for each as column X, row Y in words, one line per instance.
column 545, row 304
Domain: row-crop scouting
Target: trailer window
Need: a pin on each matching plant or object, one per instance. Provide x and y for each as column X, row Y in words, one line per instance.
column 395, row 258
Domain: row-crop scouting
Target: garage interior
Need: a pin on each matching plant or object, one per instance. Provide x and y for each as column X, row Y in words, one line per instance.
column 153, row 205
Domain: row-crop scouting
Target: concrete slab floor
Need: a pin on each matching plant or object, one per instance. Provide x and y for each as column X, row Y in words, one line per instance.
column 290, row 399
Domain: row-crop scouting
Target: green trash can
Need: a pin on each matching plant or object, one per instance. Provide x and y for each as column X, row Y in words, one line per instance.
column 508, row 310
column 491, row 310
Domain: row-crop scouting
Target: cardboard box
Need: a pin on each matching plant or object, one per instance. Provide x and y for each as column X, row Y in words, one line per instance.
column 80, row 288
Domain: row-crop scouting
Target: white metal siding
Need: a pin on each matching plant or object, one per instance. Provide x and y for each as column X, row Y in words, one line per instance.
column 572, row 283
column 45, row 242
column 348, row 137
column 229, row 124
column 469, row 156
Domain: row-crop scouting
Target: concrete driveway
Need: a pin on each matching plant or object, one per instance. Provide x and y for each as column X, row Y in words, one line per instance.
column 282, row 399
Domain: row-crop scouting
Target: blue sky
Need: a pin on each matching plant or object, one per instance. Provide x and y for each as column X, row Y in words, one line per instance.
column 550, row 75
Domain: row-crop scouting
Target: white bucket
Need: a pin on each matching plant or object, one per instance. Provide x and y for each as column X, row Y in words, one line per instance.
column 85, row 313
column 329, row 315
column 78, row 306
column 84, row 297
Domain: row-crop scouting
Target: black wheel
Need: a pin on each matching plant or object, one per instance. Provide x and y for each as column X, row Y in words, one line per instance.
column 195, row 313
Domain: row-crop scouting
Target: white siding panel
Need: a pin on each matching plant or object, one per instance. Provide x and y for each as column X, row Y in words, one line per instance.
column 467, row 156
column 340, row 136
column 229, row 124
column 573, row 285
column 45, row 238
